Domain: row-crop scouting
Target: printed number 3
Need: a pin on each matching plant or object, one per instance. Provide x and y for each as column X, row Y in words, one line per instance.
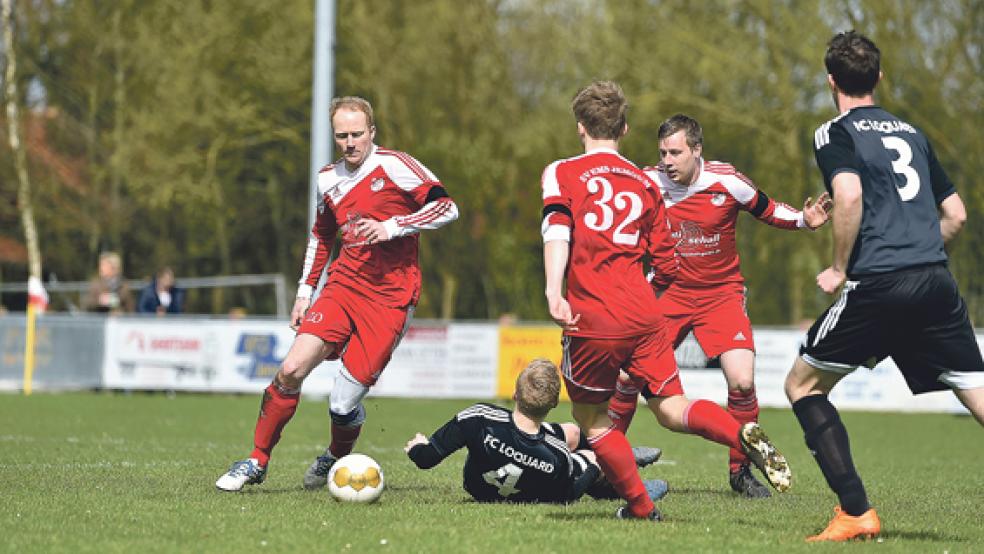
column 504, row 479
column 621, row 201
column 902, row 167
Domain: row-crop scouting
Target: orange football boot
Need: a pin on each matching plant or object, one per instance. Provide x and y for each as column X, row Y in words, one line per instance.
column 845, row 527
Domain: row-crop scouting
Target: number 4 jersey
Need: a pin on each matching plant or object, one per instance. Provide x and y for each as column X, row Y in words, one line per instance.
column 612, row 214
column 902, row 184
column 506, row 464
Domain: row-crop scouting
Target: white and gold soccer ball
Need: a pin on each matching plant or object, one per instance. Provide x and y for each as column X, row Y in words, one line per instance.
column 356, row 478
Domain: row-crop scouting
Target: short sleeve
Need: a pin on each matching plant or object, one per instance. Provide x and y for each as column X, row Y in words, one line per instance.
column 834, row 149
column 942, row 186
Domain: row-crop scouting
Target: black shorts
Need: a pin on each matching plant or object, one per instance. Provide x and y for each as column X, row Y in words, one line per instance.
column 914, row 315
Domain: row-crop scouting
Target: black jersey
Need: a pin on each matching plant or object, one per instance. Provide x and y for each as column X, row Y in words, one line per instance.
column 902, row 185
column 505, row 463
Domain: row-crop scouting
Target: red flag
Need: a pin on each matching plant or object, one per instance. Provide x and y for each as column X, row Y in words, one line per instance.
column 36, row 295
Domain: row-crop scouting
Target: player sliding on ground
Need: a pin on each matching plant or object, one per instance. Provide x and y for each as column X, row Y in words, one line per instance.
column 602, row 216
column 513, row 456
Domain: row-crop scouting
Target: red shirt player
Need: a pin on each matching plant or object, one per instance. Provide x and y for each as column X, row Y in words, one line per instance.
column 703, row 200
column 602, row 216
column 379, row 199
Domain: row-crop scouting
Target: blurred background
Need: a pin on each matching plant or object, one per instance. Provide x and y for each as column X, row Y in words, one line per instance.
column 177, row 132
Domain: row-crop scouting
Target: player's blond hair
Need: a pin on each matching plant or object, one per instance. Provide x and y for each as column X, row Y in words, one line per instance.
column 601, row 108
column 538, row 389
column 353, row 103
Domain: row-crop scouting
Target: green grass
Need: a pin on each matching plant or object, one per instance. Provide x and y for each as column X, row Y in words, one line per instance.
column 135, row 473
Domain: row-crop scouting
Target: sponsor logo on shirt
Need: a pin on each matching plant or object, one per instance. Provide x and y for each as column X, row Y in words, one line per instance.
column 691, row 240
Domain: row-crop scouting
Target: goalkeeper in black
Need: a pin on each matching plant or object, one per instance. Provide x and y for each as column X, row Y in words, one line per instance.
column 514, row 456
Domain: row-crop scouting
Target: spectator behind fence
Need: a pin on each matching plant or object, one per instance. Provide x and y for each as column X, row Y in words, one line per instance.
column 108, row 292
column 161, row 296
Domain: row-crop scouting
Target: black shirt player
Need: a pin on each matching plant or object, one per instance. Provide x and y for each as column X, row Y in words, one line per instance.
column 894, row 209
column 516, row 456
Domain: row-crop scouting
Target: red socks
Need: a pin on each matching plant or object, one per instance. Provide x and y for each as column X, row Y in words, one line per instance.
column 743, row 406
column 707, row 419
column 622, row 406
column 616, row 460
column 343, row 439
column 276, row 409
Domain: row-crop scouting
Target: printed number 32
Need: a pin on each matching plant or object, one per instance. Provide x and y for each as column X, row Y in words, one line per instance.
column 620, row 201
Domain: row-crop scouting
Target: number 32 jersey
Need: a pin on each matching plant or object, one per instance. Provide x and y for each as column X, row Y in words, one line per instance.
column 902, row 183
column 613, row 216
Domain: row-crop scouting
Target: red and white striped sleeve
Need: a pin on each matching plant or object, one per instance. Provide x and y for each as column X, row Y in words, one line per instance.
column 437, row 208
column 557, row 216
column 318, row 253
column 760, row 205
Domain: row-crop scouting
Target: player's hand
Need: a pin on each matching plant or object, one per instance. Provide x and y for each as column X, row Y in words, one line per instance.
column 561, row 313
column 417, row 439
column 817, row 213
column 370, row 231
column 830, row 280
column 301, row 306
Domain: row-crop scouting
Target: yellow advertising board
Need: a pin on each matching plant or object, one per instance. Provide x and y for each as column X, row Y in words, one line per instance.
column 518, row 345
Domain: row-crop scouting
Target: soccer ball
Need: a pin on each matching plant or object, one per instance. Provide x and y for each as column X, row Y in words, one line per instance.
column 355, row 478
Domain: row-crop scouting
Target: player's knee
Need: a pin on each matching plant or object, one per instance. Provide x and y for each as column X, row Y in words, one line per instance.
column 351, row 418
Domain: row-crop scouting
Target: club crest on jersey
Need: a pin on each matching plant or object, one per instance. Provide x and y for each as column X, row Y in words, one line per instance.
column 718, row 199
column 377, row 184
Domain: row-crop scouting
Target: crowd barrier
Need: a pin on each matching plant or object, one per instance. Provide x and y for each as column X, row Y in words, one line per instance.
column 435, row 359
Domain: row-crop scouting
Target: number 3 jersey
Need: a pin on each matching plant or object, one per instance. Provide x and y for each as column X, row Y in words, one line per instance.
column 902, row 183
column 613, row 216
column 506, row 464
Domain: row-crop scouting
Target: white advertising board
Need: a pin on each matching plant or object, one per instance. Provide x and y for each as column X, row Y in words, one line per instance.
column 449, row 360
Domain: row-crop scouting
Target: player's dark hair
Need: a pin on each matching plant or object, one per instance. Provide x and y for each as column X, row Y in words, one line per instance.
column 685, row 123
column 538, row 389
column 601, row 108
column 353, row 103
column 854, row 62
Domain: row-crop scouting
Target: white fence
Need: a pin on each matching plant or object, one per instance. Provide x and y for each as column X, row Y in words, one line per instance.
column 435, row 359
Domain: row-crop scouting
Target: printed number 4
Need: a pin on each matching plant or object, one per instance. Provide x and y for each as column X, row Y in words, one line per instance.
column 504, row 479
column 902, row 167
column 621, row 201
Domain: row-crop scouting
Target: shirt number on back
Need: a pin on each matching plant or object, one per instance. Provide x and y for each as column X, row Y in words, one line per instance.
column 504, row 479
column 902, row 167
column 621, row 201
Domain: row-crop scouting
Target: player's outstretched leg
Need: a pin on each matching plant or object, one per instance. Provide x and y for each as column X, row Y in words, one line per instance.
column 242, row 473
column 845, row 527
column 765, row 456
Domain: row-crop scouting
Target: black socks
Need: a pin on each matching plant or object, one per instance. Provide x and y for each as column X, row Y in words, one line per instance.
column 827, row 440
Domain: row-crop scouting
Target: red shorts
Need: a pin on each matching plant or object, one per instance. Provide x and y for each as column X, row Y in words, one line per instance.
column 364, row 332
column 590, row 366
column 716, row 316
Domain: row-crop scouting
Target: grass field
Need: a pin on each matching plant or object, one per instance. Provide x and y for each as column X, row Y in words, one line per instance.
column 134, row 473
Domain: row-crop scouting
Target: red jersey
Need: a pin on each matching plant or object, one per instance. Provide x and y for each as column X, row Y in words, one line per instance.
column 703, row 217
column 391, row 187
column 612, row 215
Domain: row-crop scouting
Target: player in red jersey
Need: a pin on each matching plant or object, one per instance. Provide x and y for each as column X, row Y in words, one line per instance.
column 380, row 200
column 602, row 216
column 703, row 200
